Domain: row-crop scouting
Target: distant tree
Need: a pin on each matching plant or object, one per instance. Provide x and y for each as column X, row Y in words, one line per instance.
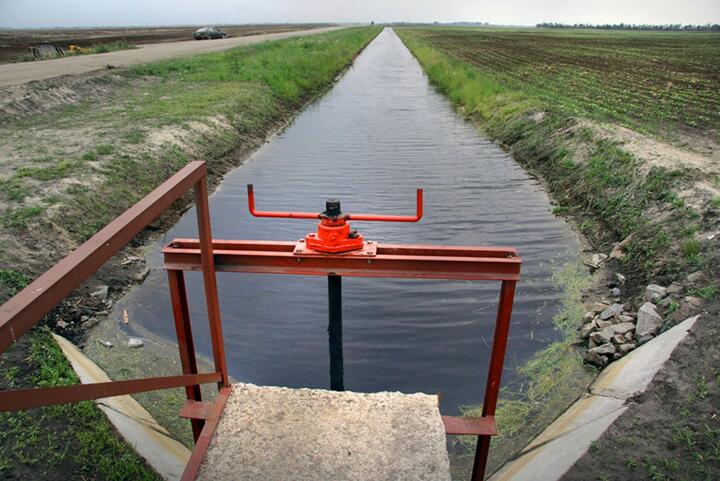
column 630, row 26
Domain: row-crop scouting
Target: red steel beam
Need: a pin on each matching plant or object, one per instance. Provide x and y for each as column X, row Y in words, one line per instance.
column 207, row 264
column 27, row 307
column 203, row 442
column 400, row 261
column 196, row 411
column 32, row 398
column 186, row 346
column 462, row 425
column 358, row 217
column 492, row 387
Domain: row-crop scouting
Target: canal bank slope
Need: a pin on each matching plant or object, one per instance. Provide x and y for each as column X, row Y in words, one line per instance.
column 648, row 206
column 78, row 152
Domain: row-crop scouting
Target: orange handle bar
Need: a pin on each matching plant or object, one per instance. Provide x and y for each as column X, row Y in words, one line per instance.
column 361, row 217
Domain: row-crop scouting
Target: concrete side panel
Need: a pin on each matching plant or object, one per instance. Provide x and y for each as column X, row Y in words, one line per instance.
column 633, row 373
column 559, row 446
column 151, row 441
column 273, row 433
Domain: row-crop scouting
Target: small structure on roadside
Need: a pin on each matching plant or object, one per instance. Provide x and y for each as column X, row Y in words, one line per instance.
column 46, row 50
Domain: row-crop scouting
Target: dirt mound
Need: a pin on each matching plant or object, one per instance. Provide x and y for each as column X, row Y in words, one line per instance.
column 44, row 95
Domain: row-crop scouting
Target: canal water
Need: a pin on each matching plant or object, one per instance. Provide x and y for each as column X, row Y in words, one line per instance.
column 381, row 132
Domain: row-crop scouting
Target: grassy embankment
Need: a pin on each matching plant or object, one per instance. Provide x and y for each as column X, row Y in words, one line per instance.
column 542, row 94
column 68, row 172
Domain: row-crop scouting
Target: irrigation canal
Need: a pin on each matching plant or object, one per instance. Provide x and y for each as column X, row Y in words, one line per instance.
column 378, row 134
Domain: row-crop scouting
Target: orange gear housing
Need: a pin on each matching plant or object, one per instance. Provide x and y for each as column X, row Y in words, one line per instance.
column 333, row 232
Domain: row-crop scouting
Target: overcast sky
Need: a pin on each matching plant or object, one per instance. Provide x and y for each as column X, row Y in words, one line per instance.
column 49, row 13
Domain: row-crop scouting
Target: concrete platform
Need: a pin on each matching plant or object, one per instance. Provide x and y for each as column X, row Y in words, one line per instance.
column 273, row 433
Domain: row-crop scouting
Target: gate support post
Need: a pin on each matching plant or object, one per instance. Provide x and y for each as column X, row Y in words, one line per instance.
column 209, row 279
column 183, row 329
column 497, row 360
column 335, row 332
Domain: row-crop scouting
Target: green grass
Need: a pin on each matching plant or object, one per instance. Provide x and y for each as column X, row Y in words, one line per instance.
column 61, row 169
column 285, row 72
column 606, row 189
column 256, row 89
column 594, row 180
column 111, row 47
column 12, row 281
column 18, row 218
column 548, row 383
column 253, row 88
column 75, row 439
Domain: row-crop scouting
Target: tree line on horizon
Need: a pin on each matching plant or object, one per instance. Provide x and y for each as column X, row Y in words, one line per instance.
column 632, row 26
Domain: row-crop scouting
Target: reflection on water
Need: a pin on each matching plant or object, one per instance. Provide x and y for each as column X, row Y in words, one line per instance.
column 380, row 133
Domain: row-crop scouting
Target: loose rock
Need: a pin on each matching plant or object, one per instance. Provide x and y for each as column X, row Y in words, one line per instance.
column 625, row 348
column 604, row 336
column 142, row 275
column 61, row 324
column 611, row 311
column 615, row 291
column 607, row 348
column 618, row 339
column 586, row 330
column 101, row 293
column 620, row 278
column 134, row 342
column 599, row 306
column 655, row 292
column 594, row 358
column 105, row 343
column 623, row 328
column 91, row 322
column 649, row 321
column 674, row 288
column 694, row 301
column 625, row 318
column 603, row 324
column 695, row 277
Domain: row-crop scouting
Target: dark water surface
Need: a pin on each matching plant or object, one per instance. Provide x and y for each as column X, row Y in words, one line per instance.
column 381, row 132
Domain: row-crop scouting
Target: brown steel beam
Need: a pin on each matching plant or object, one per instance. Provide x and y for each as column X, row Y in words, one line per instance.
column 497, row 360
column 196, row 411
column 406, row 261
column 27, row 307
column 32, row 398
column 203, row 442
column 207, row 265
column 186, row 346
column 461, row 425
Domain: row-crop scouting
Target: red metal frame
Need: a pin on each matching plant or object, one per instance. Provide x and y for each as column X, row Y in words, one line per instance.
column 29, row 306
column 382, row 260
column 361, row 217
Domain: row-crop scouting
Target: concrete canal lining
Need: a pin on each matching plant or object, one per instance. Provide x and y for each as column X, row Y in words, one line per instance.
column 150, row 440
column 550, row 455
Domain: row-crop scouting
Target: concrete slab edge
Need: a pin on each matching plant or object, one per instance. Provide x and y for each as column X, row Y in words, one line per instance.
column 134, row 423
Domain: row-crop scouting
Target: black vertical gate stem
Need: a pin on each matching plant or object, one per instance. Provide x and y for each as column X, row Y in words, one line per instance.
column 335, row 332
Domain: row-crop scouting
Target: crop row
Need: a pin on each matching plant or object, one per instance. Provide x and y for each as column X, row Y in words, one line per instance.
column 654, row 82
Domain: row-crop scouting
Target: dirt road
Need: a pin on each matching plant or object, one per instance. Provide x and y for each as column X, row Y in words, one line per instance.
column 19, row 73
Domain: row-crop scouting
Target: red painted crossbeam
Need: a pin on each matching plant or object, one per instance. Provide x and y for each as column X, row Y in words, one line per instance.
column 391, row 260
